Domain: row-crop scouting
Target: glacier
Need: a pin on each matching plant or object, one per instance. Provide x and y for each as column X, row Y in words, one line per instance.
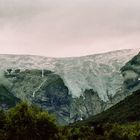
column 100, row 72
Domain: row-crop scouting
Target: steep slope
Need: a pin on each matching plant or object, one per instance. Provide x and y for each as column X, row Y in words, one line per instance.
column 125, row 111
column 7, row 99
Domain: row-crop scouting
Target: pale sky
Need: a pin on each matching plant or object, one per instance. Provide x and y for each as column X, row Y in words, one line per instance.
column 61, row 28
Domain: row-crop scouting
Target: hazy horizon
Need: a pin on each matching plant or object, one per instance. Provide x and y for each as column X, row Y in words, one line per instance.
column 68, row 28
column 105, row 52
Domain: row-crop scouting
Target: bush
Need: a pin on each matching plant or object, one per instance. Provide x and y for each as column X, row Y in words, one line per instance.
column 27, row 123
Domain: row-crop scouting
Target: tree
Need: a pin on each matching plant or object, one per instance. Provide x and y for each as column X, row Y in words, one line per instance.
column 46, row 128
column 21, row 123
column 2, row 119
column 26, row 122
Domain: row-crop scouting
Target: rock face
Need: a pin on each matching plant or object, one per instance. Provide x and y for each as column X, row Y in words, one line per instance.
column 47, row 90
column 86, row 105
column 72, row 88
column 131, row 74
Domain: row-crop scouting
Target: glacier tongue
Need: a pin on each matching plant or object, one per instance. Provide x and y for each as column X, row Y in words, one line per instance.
column 98, row 72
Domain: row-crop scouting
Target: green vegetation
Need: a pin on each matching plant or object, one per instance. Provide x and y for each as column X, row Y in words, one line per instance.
column 28, row 122
column 103, row 132
column 126, row 111
column 25, row 122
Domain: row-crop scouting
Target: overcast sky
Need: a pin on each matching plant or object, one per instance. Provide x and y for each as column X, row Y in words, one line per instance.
column 61, row 28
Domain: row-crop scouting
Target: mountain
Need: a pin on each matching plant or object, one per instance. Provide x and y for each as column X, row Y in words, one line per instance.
column 79, row 73
column 72, row 88
column 126, row 111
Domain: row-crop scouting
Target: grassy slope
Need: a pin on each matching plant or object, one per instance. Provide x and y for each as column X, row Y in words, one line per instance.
column 125, row 111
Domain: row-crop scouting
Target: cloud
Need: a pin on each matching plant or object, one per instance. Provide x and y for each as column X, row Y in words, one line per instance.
column 68, row 28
